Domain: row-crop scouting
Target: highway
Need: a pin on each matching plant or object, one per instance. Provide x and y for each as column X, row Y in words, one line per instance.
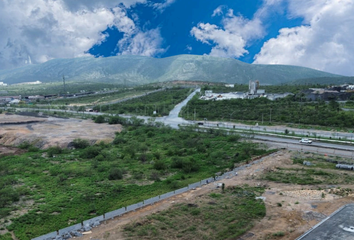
column 317, row 146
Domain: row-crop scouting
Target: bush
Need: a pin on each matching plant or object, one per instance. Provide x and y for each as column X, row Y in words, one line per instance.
column 24, row 145
column 117, row 120
column 190, row 165
column 80, row 143
column 91, row 152
column 33, row 149
column 99, row 119
column 54, row 150
column 160, row 165
column 119, row 140
column 115, row 174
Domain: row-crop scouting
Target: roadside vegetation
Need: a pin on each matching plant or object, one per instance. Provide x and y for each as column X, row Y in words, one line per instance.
column 290, row 110
column 161, row 102
column 55, row 188
column 221, row 214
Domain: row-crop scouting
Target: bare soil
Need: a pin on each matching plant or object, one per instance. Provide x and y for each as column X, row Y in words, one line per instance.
column 291, row 209
column 47, row 132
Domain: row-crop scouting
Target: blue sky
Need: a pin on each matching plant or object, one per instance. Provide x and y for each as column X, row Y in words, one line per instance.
column 176, row 21
column 310, row 33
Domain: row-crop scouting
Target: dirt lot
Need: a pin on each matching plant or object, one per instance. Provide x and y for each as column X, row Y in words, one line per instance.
column 46, row 132
column 291, row 209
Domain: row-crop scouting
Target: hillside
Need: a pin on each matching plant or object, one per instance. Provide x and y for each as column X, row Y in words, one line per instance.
column 324, row 80
column 142, row 70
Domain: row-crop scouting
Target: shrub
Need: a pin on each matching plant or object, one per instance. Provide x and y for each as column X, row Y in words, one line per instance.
column 54, row 150
column 234, row 138
column 80, row 143
column 177, row 162
column 117, row 120
column 119, row 140
column 99, row 119
column 24, row 145
column 190, row 165
column 279, row 234
column 115, row 174
column 91, row 152
column 160, row 165
column 33, row 149
column 155, row 176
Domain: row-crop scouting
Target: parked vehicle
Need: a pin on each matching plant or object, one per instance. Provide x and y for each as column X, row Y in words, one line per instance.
column 305, row 140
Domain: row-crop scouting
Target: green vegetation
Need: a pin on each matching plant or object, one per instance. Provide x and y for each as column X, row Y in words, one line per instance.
column 69, row 186
column 96, row 99
column 227, row 216
column 290, row 110
column 162, row 102
column 7, row 236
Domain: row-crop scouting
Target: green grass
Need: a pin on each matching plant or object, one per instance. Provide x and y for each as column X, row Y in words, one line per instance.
column 70, row 186
column 162, row 102
column 228, row 216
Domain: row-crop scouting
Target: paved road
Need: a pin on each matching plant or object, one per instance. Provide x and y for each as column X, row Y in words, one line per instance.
column 174, row 121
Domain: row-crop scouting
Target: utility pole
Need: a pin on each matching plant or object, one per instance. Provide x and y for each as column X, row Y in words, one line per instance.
column 64, row 85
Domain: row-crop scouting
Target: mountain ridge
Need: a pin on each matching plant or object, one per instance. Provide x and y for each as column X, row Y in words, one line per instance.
column 142, row 70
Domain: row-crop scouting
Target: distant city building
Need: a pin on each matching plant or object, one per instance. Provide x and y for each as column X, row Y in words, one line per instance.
column 253, row 92
column 35, row 97
column 3, row 84
column 253, row 88
column 208, row 93
column 29, row 83
column 230, row 85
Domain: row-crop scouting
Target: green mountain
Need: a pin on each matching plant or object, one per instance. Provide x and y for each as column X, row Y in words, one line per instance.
column 143, row 70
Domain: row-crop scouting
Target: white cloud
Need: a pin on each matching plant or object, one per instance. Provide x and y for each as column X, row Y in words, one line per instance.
column 218, row 11
column 143, row 43
column 231, row 39
column 39, row 30
column 162, row 6
column 324, row 42
column 78, row 5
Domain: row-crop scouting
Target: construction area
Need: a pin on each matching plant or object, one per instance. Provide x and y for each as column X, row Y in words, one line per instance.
column 290, row 209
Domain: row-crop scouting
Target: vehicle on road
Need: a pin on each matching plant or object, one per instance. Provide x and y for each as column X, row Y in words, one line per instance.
column 305, row 140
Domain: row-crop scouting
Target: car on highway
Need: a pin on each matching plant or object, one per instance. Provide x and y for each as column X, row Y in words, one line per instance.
column 305, row 140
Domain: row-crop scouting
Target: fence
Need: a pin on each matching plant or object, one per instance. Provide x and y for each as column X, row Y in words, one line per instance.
column 76, row 230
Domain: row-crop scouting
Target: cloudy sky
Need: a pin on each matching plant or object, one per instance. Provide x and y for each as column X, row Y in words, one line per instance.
column 312, row 33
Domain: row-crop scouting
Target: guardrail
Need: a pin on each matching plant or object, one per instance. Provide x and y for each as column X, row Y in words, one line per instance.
column 77, row 229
